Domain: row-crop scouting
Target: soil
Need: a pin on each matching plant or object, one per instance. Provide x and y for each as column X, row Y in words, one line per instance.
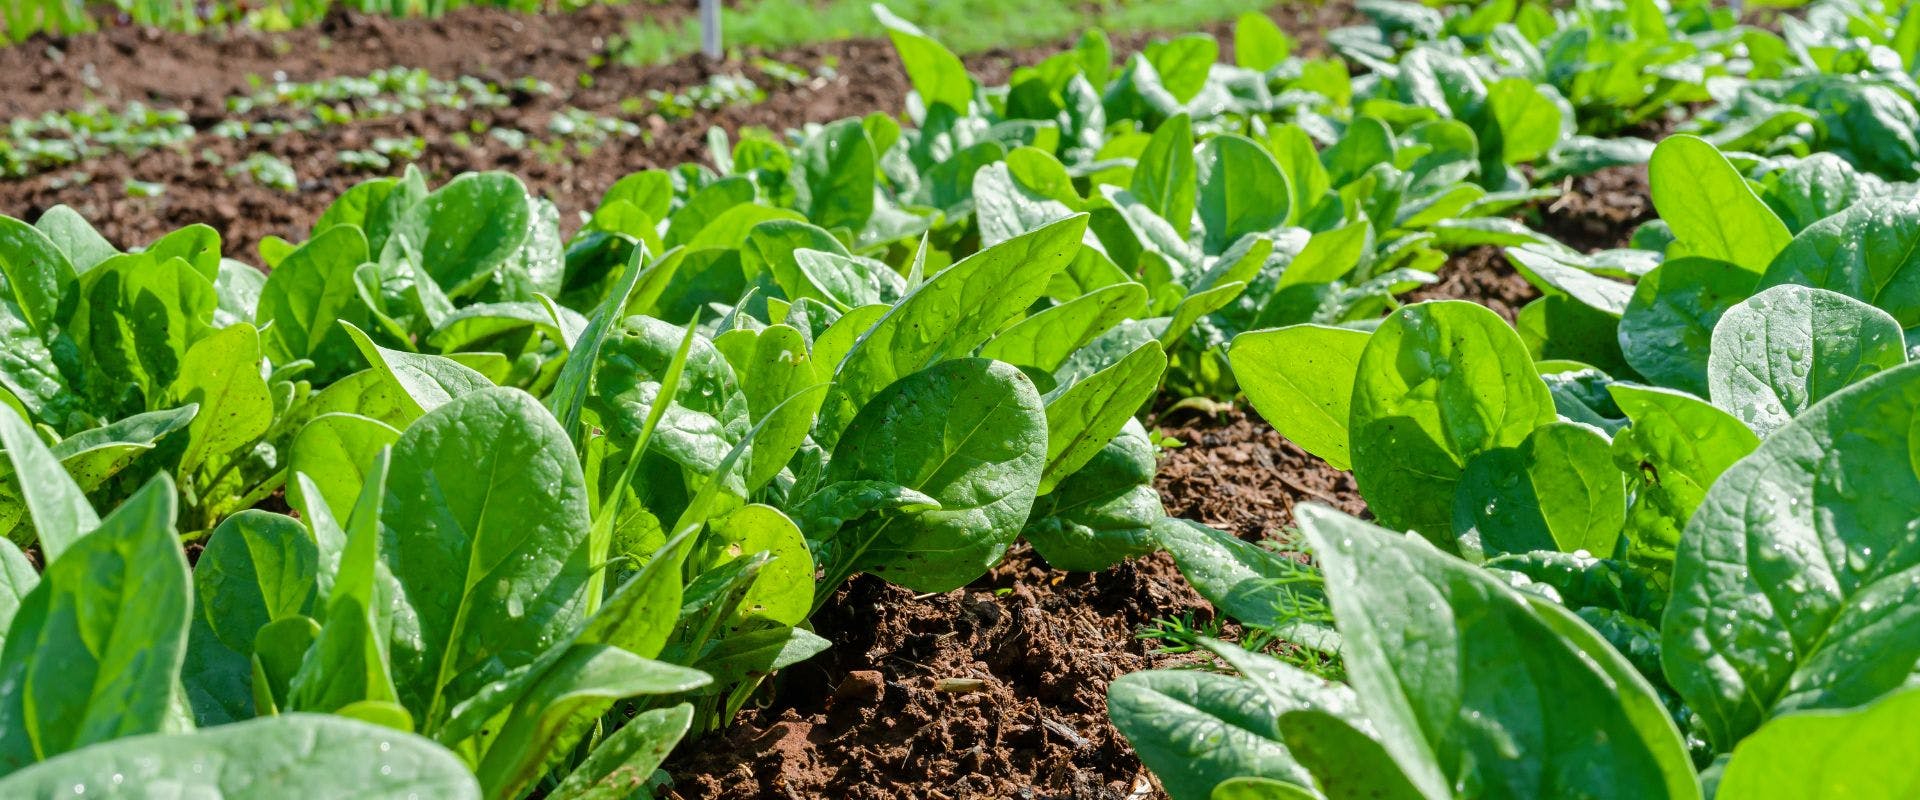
column 1599, row 211
column 1480, row 274
column 1236, row 473
column 853, row 77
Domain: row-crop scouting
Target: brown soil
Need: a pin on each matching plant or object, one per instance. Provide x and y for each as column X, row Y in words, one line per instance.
column 1599, row 211
column 995, row 690
column 1480, row 274
column 198, row 73
column 1238, row 474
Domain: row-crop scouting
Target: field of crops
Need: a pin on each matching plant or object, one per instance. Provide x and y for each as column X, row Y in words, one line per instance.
column 1370, row 400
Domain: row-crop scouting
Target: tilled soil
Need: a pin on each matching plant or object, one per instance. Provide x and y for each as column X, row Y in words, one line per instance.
column 119, row 66
column 1480, row 274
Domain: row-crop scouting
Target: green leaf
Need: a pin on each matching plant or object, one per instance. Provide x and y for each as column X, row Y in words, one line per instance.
column 485, row 511
column 1198, row 729
column 1247, row 582
column 466, row 229
column 1241, row 190
column 1258, row 43
column 1345, row 761
column 1183, row 63
column 836, row 170
column 60, row 512
column 1870, row 252
column 936, row 73
column 258, row 567
column 349, row 664
column 427, row 381
column 77, row 238
column 134, row 321
column 34, row 274
column 708, row 414
column 1437, row 384
column 95, row 649
column 1447, row 710
column 1559, row 490
column 1300, row 378
column 1666, row 332
column 310, row 289
column 1103, row 513
column 774, row 367
column 336, row 451
column 1088, row 414
column 627, row 757
column 221, row 374
column 970, row 433
column 1045, row 340
column 307, row 755
column 569, row 699
column 1164, row 177
column 1786, row 348
column 1867, row 753
column 949, row 316
column 1676, row 447
column 1709, row 206
column 1789, row 590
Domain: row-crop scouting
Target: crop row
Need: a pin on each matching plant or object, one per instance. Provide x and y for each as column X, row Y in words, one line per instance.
column 563, row 499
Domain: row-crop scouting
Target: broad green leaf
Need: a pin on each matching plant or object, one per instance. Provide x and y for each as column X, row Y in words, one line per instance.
column 1198, row 729
column 836, row 172
column 349, row 664
column 1105, row 512
column 303, row 297
column 970, row 433
column 1258, row 43
column 426, row 381
column 77, row 238
column 947, row 317
column 1345, row 761
column 1247, row 582
column 1088, row 414
column 1437, row 384
column 1789, row 590
column 305, row 755
column 1675, row 449
column 708, row 414
column 17, row 578
column 1046, row 339
column 1300, row 379
column 1867, row 753
column 1870, row 252
column 221, row 374
column 627, row 756
column 936, row 73
column 1666, row 332
column 1786, row 348
column 95, row 649
column 485, row 511
column 336, row 451
column 1241, row 190
column 134, row 321
column 34, row 274
column 58, row 509
column 546, row 724
column 1709, row 206
column 1558, row 490
column 774, row 367
column 1183, row 62
column 1164, row 179
column 258, row 567
column 1448, row 711
column 782, row 590
column 466, row 229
